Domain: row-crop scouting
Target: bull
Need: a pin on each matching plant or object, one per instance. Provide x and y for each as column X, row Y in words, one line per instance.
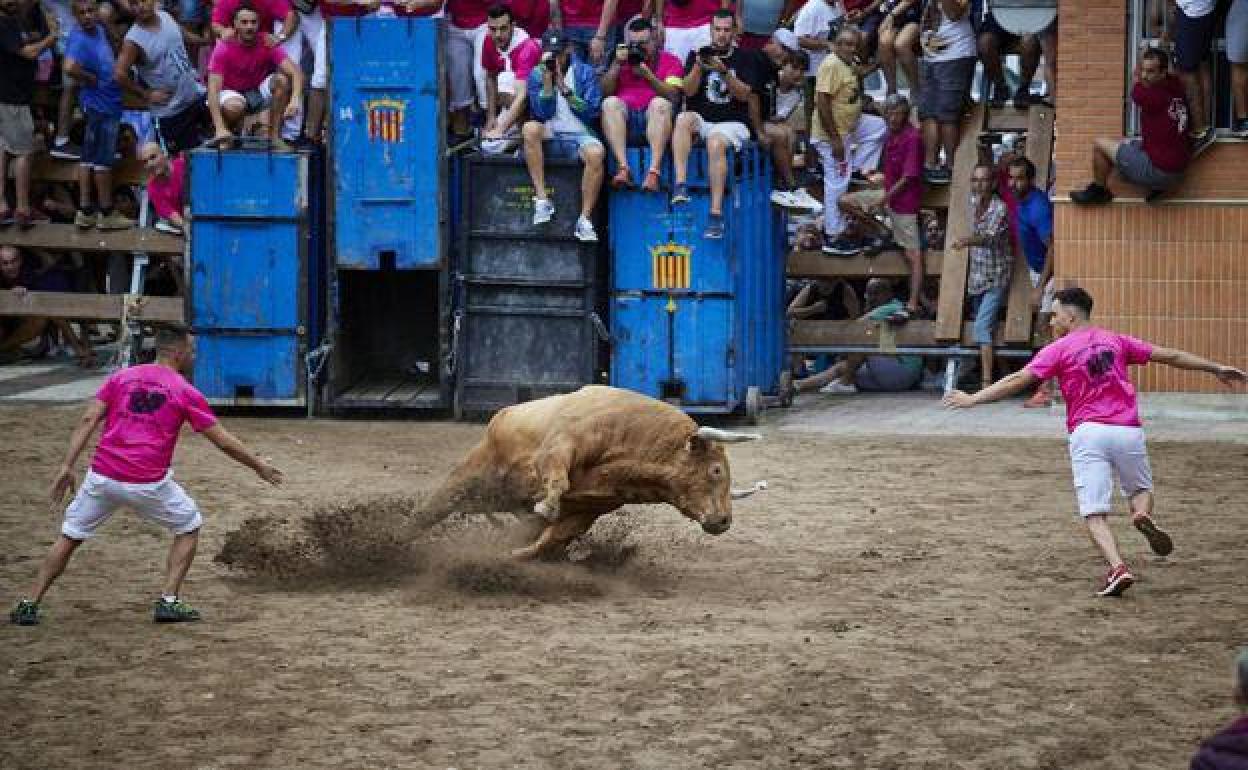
column 574, row 457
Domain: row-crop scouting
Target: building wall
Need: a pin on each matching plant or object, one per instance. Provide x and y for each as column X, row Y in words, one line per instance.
column 1175, row 272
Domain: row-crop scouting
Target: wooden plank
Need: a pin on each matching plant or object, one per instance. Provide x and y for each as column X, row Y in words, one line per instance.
column 67, row 237
column 885, row 336
column 50, row 96
column 953, row 277
column 890, row 264
column 1019, row 313
column 935, row 196
column 49, row 169
column 94, row 307
column 1009, row 120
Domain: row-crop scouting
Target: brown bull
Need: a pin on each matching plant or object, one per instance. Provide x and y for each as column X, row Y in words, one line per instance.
column 575, row 457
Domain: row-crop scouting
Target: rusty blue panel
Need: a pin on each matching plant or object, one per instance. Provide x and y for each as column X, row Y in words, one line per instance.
column 387, row 140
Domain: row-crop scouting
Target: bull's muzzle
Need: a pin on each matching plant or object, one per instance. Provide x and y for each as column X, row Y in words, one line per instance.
column 716, row 525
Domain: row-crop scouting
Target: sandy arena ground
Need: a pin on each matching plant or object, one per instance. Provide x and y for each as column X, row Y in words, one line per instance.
column 891, row 602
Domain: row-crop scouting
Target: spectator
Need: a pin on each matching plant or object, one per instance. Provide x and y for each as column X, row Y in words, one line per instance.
column 532, row 16
column 165, row 187
column 466, row 33
column 993, row 41
column 815, row 27
column 685, row 25
column 1194, row 27
column 758, row 20
column 566, row 102
column 1237, row 55
column 62, row 148
column 268, row 13
column 719, row 80
column 89, row 60
column 589, row 24
column 24, row 36
column 991, row 263
column 844, row 137
column 171, row 88
column 1033, row 231
column 866, row 16
column 509, row 50
column 1228, row 750
column 779, row 79
column 900, row 195
column 245, row 76
column 18, row 275
column 1157, row 160
column 877, row 374
column 898, row 39
column 639, row 88
column 945, row 72
column 1103, row 418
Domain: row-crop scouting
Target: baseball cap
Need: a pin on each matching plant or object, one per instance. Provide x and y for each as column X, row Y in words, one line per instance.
column 786, row 38
column 553, row 41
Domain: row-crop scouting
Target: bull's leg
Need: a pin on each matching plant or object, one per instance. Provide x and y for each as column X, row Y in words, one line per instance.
column 557, row 534
column 552, row 464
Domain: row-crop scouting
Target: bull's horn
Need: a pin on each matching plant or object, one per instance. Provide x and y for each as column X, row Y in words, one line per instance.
column 725, row 436
column 758, row 486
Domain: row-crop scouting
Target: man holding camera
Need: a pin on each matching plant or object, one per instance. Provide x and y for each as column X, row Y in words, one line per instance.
column 719, row 80
column 640, row 87
column 564, row 100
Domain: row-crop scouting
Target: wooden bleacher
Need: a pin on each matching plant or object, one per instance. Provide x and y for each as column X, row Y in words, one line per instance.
column 949, row 334
column 89, row 307
column 49, row 169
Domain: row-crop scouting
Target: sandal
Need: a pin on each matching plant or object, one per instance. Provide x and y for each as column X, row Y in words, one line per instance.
column 623, row 179
column 6, row 217
column 651, row 184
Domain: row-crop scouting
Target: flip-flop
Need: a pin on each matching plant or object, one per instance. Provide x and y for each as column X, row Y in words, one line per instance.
column 623, row 179
column 1158, row 540
column 651, row 174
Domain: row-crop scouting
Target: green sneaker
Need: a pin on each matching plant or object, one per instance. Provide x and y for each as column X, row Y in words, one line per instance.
column 26, row 613
column 173, row 612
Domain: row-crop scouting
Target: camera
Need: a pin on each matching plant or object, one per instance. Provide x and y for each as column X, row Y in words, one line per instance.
column 707, row 54
column 636, row 53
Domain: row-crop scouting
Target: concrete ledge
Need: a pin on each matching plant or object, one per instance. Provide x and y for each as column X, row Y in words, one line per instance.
column 1194, row 406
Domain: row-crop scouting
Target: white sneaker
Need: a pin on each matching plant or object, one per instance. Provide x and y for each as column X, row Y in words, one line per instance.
column 784, row 199
column 837, row 387
column 804, row 200
column 585, row 230
column 543, row 211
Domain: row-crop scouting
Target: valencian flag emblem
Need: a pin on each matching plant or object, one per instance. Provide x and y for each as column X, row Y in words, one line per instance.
column 670, row 262
column 385, row 120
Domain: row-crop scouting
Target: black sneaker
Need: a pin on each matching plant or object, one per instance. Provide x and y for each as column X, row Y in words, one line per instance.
column 874, row 246
column 858, row 179
column 1091, row 195
column 996, row 98
column 1152, row 196
column 26, row 613
column 66, row 151
column 173, row 612
column 940, row 175
column 841, row 246
column 1239, row 129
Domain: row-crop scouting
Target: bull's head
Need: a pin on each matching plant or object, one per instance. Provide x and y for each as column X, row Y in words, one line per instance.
column 704, row 484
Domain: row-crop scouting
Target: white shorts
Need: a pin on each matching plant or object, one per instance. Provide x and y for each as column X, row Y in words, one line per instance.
column 162, row 502
column 1097, row 453
column 1050, row 288
column 310, row 32
column 736, row 133
column 255, row 100
column 680, row 42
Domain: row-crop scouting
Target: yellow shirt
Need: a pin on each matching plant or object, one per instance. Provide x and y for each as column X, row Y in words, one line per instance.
column 837, row 78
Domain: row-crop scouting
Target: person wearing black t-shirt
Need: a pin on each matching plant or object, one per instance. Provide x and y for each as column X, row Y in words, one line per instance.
column 718, row 82
column 24, row 35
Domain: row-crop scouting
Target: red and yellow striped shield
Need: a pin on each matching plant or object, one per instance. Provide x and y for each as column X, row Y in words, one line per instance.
column 670, row 265
column 385, row 120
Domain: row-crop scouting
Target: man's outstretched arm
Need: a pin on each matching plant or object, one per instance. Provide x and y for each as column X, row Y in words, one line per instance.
column 1181, row 359
column 225, row 441
column 1002, row 388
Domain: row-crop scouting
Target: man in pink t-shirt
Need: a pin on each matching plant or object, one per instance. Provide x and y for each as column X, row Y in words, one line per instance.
column 165, row 179
column 507, row 49
column 1103, row 419
column 269, row 12
column 639, row 88
column 245, row 76
column 142, row 409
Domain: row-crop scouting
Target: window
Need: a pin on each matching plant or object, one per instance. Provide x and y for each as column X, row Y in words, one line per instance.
column 1150, row 24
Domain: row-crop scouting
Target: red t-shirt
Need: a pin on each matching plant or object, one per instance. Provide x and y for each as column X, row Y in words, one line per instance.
column 331, row 8
column 625, row 10
column 531, row 15
column 903, row 158
column 243, row 67
column 146, row 408
column 1163, row 122
column 269, row 11
column 581, row 13
column 694, row 13
column 854, row 5
column 467, row 14
column 521, row 59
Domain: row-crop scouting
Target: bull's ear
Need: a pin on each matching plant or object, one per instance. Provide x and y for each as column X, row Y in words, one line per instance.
column 697, row 444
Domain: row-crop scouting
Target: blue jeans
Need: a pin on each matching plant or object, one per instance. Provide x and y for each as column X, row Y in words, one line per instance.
column 987, row 307
column 99, row 140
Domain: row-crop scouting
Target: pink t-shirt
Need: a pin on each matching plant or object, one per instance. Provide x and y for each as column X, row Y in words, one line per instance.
column 694, row 13
column 243, row 67
column 146, row 408
column 521, row 59
column 635, row 91
column 1091, row 366
column 269, row 11
column 166, row 192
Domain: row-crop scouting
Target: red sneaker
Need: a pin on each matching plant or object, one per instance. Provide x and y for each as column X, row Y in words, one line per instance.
column 1117, row 581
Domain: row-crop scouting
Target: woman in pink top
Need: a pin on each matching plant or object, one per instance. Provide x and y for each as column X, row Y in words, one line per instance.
column 142, row 409
column 1106, row 437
